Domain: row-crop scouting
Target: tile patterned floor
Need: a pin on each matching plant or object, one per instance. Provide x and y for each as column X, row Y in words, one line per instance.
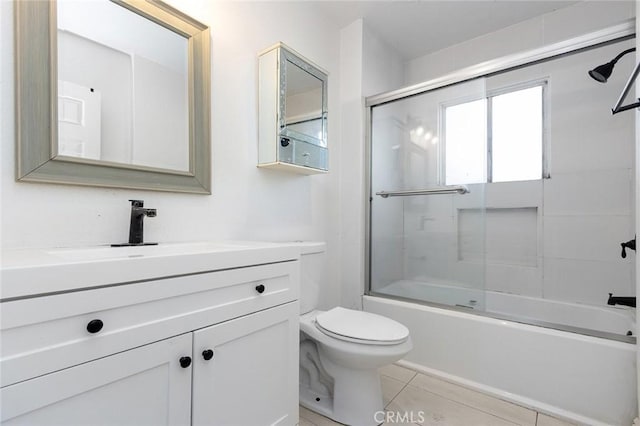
column 434, row 401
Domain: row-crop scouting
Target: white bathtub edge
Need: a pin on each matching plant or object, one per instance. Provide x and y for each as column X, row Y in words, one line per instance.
column 505, row 396
column 511, row 361
column 489, row 320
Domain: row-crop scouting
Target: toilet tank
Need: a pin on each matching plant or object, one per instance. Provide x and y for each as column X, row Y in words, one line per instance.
column 313, row 266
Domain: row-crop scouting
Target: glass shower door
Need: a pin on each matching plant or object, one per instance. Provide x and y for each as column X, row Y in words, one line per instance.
column 427, row 208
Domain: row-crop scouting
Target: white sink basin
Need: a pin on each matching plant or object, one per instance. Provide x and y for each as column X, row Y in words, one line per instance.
column 176, row 249
column 29, row 272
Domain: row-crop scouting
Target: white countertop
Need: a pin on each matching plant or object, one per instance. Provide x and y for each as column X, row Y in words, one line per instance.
column 30, row 272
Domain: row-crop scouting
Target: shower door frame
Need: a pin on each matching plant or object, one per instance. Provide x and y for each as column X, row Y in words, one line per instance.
column 612, row 34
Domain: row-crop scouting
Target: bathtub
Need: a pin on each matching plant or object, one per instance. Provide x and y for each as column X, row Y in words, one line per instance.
column 575, row 317
column 582, row 378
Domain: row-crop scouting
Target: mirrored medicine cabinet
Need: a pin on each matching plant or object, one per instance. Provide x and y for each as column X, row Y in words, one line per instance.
column 112, row 93
column 292, row 112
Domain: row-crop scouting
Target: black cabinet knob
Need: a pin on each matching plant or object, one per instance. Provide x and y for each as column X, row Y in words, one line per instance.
column 260, row 288
column 185, row 361
column 207, row 354
column 94, row 326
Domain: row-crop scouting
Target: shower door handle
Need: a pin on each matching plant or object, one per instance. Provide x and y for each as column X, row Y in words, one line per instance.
column 461, row 189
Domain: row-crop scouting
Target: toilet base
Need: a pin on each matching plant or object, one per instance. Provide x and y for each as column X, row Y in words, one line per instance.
column 343, row 375
column 357, row 397
column 314, row 402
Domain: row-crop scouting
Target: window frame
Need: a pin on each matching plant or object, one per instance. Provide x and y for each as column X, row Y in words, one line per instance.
column 488, row 97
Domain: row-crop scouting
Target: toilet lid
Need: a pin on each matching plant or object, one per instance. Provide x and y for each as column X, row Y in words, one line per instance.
column 362, row 327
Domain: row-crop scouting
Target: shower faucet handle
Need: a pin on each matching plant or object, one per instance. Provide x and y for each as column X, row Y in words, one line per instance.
column 631, row 244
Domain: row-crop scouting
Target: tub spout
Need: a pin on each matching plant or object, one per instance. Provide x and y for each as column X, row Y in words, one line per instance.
column 627, row 301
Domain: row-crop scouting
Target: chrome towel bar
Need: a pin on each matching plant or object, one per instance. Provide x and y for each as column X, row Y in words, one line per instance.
column 427, row 191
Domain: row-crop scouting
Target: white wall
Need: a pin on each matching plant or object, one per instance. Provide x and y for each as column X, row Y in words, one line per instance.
column 368, row 66
column 247, row 203
column 108, row 71
column 160, row 116
column 136, row 35
column 351, row 153
column 561, row 24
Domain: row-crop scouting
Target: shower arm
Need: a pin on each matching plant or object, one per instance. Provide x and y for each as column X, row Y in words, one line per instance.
column 619, row 107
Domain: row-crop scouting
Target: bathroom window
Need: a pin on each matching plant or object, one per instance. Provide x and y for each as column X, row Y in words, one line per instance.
column 499, row 138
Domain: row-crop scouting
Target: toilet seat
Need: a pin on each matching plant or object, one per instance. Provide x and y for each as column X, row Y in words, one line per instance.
column 361, row 327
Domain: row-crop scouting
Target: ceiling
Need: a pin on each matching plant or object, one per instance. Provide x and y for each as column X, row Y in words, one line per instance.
column 416, row 28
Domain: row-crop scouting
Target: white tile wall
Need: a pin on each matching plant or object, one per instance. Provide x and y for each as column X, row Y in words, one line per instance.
column 603, row 192
column 590, row 281
column 584, row 133
column 512, row 236
column 520, row 280
column 587, row 237
column 526, row 193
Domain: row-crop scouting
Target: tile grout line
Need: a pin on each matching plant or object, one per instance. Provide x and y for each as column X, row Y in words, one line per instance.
column 469, row 406
column 416, row 373
column 403, row 387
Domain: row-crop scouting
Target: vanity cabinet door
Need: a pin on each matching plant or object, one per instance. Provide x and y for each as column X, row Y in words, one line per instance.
column 148, row 385
column 246, row 370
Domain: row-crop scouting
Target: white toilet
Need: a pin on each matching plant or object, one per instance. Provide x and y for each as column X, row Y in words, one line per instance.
column 341, row 351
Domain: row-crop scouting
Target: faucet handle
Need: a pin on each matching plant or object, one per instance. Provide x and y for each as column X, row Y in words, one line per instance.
column 137, row 203
column 629, row 244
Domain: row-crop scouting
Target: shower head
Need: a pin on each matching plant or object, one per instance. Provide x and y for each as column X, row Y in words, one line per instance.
column 601, row 73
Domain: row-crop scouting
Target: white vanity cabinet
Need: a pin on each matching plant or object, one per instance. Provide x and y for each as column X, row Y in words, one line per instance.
column 141, row 386
column 248, row 380
column 205, row 348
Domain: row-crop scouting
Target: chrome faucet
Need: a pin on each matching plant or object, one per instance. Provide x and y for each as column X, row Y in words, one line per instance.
column 136, row 227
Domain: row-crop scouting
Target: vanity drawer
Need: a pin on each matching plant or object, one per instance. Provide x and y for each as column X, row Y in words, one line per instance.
column 48, row 333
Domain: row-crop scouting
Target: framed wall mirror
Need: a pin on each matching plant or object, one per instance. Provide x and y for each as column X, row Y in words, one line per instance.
column 112, row 93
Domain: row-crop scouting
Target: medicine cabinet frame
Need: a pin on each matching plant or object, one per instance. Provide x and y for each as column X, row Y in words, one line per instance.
column 280, row 147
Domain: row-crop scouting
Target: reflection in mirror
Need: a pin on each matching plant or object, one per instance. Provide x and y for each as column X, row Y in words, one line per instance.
column 122, row 95
column 303, row 105
column 122, row 99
